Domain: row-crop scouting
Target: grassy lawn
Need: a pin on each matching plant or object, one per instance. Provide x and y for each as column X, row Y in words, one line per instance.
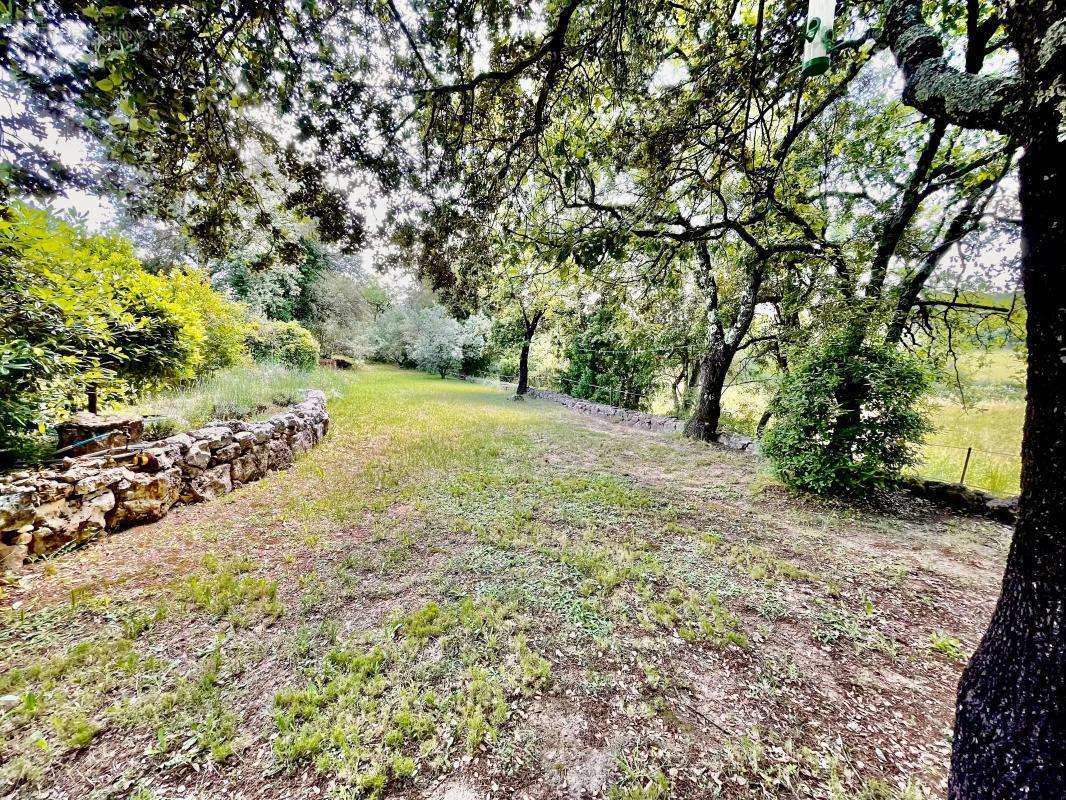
column 459, row 596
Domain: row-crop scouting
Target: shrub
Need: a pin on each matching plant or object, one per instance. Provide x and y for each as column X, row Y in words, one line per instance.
column 846, row 416
column 225, row 323
column 78, row 311
column 420, row 332
column 435, row 341
column 609, row 361
column 341, row 314
column 287, row 343
column 160, row 428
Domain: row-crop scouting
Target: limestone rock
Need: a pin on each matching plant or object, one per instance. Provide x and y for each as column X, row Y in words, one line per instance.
column 281, row 456
column 1003, row 509
column 146, row 498
column 180, row 440
column 251, row 466
column 99, row 480
column 16, row 508
column 49, row 490
column 735, row 441
column 245, row 440
column 89, row 433
column 92, row 515
column 41, row 510
column 262, row 432
column 198, row 455
column 216, row 436
column 226, row 453
column 12, row 557
column 301, row 442
column 209, row 484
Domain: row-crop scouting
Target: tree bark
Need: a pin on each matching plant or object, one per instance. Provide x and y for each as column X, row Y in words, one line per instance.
column 703, row 424
column 1010, row 727
column 722, row 344
column 523, row 368
column 529, row 329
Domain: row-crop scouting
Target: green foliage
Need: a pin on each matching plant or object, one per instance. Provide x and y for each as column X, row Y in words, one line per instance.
column 950, row 646
column 610, row 361
column 225, row 323
column 434, row 342
column 282, row 291
column 79, row 311
column 342, row 312
column 287, row 343
column 421, row 332
column 241, row 392
column 225, row 590
column 846, row 416
column 374, row 712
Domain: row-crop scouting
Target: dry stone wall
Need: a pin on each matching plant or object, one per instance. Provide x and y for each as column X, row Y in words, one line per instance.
column 640, row 419
column 45, row 509
column 626, row 416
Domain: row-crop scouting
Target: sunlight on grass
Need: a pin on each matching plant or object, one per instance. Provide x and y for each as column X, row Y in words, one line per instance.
column 992, row 428
column 444, row 569
column 991, row 425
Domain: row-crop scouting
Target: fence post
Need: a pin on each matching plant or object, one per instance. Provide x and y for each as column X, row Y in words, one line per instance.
column 965, row 464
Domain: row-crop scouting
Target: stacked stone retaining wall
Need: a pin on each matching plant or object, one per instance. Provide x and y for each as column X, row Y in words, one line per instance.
column 627, row 416
column 49, row 508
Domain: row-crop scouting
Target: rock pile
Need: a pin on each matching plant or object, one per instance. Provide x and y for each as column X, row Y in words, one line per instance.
column 45, row 509
column 965, row 499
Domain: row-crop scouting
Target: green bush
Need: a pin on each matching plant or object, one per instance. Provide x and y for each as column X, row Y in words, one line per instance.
column 609, row 361
column 225, row 323
column 846, row 416
column 78, row 311
column 287, row 343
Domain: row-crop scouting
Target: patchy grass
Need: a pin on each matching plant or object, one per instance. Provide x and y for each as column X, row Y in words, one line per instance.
column 458, row 592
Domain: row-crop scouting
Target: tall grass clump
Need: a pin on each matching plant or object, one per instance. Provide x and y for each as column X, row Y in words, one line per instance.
column 241, row 392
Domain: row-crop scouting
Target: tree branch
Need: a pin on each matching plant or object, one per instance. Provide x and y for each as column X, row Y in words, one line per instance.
column 939, row 90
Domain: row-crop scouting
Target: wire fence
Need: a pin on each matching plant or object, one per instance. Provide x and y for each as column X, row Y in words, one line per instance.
column 995, row 471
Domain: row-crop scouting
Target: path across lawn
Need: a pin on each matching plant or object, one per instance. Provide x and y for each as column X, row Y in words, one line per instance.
column 460, row 596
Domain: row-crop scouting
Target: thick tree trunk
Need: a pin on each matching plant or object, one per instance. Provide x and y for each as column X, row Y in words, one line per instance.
column 523, row 368
column 703, row 424
column 1010, row 727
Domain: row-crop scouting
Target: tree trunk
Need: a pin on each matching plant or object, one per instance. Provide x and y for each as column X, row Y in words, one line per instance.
column 764, row 420
column 92, row 399
column 703, row 424
column 675, row 391
column 1010, row 727
column 523, row 368
column 529, row 329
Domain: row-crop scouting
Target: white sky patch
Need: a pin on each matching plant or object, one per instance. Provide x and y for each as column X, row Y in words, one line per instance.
column 672, row 72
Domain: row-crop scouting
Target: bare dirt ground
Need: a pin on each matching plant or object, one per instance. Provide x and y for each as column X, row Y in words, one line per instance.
column 459, row 597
